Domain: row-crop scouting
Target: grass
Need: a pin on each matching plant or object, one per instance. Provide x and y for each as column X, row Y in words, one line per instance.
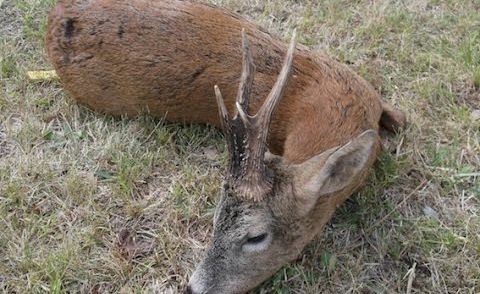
column 89, row 203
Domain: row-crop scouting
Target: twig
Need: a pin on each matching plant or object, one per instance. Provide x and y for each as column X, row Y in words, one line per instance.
column 467, row 175
column 411, row 277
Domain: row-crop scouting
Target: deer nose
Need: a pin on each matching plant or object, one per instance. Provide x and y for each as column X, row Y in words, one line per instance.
column 188, row 290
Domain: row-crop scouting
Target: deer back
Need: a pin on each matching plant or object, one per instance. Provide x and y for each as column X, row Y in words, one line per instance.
column 164, row 57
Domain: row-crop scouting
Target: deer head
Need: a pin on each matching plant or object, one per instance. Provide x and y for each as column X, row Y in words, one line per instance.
column 269, row 208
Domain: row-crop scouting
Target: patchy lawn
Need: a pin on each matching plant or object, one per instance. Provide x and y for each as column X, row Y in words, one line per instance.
column 89, row 203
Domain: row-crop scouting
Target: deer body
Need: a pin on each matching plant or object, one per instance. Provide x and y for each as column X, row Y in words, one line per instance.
column 125, row 57
column 164, row 57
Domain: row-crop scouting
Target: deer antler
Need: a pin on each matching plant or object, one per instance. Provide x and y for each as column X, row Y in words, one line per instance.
column 246, row 134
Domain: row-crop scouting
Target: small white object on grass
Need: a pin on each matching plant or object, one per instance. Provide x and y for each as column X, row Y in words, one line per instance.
column 475, row 115
column 430, row 212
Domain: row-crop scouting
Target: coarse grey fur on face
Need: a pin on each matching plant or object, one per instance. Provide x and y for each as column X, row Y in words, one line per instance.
column 253, row 239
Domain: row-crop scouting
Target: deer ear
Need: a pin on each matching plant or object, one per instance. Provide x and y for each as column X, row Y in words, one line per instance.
column 334, row 169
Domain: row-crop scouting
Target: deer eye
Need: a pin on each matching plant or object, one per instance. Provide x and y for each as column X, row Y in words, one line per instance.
column 257, row 243
column 257, row 239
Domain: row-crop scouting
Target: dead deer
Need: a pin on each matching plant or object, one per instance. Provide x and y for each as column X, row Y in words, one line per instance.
column 299, row 145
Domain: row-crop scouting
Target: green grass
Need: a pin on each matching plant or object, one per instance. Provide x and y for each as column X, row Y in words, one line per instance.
column 91, row 203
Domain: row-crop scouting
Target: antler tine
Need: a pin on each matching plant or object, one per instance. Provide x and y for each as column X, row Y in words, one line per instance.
column 264, row 115
column 222, row 110
column 246, row 80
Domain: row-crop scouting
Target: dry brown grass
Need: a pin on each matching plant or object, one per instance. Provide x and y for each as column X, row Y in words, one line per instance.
column 93, row 204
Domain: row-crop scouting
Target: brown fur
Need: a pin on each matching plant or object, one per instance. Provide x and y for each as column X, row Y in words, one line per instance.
column 164, row 57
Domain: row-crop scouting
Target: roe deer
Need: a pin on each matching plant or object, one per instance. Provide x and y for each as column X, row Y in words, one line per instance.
column 127, row 56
